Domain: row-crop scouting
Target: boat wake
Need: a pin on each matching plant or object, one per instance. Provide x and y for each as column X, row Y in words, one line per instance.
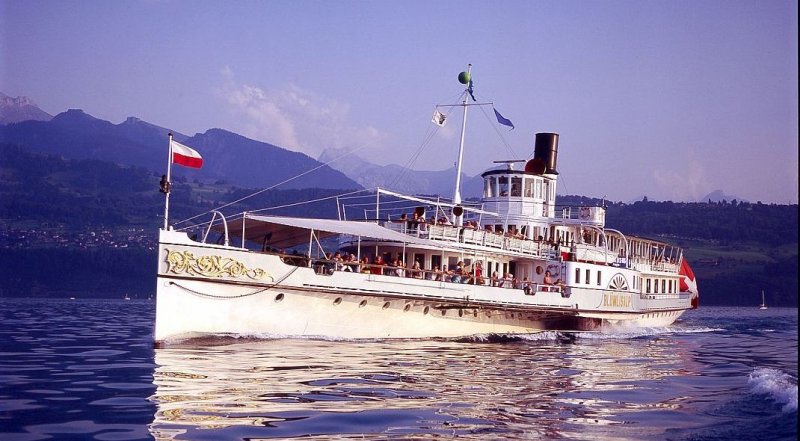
column 609, row 333
column 629, row 333
column 777, row 385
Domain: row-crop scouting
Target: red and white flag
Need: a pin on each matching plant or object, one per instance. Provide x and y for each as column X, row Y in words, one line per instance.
column 185, row 156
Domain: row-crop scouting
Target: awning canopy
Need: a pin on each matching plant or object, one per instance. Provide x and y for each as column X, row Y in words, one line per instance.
column 287, row 232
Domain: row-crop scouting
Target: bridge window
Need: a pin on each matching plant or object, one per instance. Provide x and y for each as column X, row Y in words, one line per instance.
column 516, row 187
column 503, row 186
column 599, row 275
column 577, row 275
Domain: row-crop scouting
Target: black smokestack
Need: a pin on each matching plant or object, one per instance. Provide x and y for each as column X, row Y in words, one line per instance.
column 546, row 151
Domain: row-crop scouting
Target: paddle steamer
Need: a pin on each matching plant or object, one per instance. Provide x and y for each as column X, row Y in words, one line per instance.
column 515, row 263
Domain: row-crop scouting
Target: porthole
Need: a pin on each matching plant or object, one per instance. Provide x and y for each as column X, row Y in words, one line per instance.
column 279, row 297
column 386, row 305
column 337, row 301
column 363, row 303
column 425, row 311
column 407, row 308
column 474, row 312
column 444, row 312
column 539, row 269
column 460, row 313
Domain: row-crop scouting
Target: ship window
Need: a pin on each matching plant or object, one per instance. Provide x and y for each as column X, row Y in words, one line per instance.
column 588, row 279
column 577, row 275
column 516, row 187
column 487, row 187
column 655, row 286
column 599, row 274
column 648, row 286
column 362, row 304
column 664, row 285
column 407, row 307
column 503, row 180
column 386, row 305
column 528, row 188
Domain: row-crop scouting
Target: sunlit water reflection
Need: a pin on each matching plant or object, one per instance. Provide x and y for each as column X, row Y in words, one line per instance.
column 87, row 370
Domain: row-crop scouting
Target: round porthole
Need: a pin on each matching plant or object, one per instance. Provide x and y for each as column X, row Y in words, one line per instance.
column 279, row 297
column 444, row 312
column 475, row 312
column 337, row 301
column 362, row 304
column 407, row 308
column 539, row 269
column 425, row 311
column 386, row 305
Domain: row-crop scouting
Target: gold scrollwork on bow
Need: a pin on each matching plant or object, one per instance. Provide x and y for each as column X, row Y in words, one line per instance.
column 211, row 266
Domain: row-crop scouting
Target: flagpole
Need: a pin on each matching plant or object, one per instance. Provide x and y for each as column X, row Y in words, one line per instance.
column 166, row 193
column 458, row 218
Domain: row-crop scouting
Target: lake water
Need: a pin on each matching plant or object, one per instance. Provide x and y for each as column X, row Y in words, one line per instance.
column 75, row 369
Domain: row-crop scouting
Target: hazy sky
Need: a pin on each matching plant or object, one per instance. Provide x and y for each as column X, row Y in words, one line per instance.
column 668, row 99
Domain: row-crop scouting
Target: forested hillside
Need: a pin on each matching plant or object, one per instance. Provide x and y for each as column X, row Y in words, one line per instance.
column 88, row 228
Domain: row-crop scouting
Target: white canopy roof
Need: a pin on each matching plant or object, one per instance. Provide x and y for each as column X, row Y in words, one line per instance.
column 285, row 232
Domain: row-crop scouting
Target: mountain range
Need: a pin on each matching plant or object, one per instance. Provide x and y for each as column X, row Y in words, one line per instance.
column 228, row 157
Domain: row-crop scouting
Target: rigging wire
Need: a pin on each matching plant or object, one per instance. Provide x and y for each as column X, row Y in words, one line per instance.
column 267, row 188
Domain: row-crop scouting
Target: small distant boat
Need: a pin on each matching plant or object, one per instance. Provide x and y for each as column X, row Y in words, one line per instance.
column 127, row 297
column 763, row 302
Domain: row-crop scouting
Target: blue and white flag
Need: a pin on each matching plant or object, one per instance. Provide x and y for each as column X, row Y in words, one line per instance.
column 503, row 121
column 469, row 89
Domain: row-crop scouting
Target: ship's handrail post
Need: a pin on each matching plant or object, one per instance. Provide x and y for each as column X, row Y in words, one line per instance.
column 244, row 224
column 210, row 224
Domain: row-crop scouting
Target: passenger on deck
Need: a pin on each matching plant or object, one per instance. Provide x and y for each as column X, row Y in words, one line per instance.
column 416, row 271
column 548, row 278
column 399, row 271
column 447, row 274
column 378, row 267
column 365, row 269
column 458, row 272
column 508, row 280
column 435, row 274
column 478, row 273
column 494, row 280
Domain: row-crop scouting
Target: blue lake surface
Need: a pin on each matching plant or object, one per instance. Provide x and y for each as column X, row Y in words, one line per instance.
column 86, row 369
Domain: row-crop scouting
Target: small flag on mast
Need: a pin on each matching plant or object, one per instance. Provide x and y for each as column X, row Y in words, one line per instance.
column 469, row 89
column 503, row 121
column 439, row 118
column 185, row 156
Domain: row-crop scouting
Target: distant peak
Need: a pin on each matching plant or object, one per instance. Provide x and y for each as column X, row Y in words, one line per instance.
column 20, row 109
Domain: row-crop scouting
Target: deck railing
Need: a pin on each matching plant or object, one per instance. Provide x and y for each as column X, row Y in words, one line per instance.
column 472, row 236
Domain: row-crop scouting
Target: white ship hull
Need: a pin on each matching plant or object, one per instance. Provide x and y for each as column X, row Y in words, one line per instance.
column 214, row 290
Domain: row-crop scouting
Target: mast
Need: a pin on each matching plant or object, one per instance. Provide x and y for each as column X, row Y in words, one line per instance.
column 165, row 186
column 458, row 213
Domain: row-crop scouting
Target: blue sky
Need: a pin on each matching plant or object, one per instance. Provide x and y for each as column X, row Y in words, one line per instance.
column 668, row 99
